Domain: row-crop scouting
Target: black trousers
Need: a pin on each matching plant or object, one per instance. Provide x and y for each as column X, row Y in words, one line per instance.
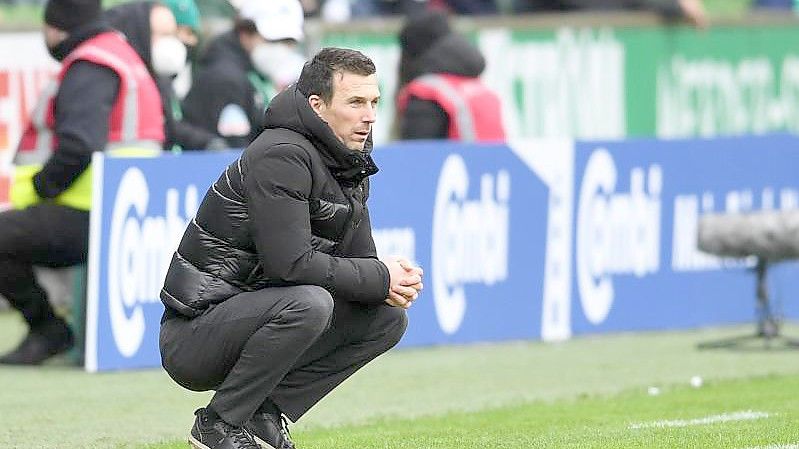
column 45, row 235
column 291, row 345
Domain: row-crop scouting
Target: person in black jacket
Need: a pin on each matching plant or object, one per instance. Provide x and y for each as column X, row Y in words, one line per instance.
column 82, row 114
column 242, row 70
column 275, row 294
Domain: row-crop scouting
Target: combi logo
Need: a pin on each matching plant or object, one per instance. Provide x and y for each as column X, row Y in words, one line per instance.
column 470, row 238
column 140, row 249
column 617, row 233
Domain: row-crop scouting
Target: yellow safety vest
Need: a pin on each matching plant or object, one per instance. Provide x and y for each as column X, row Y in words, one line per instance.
column 78, row 195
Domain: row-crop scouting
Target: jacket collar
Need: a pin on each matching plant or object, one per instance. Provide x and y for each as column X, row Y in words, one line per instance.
column 290, row 110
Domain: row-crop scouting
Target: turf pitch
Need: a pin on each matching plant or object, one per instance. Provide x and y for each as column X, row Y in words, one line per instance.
column 581, row 393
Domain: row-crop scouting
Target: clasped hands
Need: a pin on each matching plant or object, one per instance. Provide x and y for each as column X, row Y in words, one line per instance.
column 405, row 282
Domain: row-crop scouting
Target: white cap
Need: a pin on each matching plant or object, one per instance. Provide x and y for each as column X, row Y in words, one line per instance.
column 275, row 19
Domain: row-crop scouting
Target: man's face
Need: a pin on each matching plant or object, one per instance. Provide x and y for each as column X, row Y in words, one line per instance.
column 353, row 108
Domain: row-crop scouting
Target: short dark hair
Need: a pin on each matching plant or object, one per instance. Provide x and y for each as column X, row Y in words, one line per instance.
column 317, row 75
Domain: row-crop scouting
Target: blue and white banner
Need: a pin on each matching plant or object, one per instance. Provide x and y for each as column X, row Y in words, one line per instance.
column 539, row 239
column 636, row 209
column 474, row 217
column 141, row 207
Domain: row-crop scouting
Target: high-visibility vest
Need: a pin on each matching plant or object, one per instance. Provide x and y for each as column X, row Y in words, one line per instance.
column 136, row 123
column 474, row 111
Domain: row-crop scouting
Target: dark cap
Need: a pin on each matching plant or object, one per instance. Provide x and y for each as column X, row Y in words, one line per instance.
column 67, row 15
column 422, row 31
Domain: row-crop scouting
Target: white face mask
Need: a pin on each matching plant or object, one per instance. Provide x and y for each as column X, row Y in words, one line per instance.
column 168, row 56
column 279, row 62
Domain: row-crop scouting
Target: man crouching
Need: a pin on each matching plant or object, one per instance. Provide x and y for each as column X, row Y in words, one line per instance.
column 275, row 295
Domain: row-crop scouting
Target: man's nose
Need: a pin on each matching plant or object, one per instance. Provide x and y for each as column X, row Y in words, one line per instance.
column 370, row 114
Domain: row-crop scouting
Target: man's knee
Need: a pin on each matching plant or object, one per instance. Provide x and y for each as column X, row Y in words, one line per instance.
column 314, row 305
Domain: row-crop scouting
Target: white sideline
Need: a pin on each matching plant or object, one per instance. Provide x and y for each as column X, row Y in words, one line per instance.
column 777, row 446
column 746, row 415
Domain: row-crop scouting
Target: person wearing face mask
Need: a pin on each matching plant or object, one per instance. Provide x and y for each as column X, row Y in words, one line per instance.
column 187, row 15
column 151, row 29
column 244, row 68
column 101, row 100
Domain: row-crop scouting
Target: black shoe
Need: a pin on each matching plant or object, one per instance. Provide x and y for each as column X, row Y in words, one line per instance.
column 270, row 430
column 42, row 342
column 213, row 433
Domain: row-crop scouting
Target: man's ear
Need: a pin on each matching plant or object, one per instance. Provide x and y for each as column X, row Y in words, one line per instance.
column 316, row 103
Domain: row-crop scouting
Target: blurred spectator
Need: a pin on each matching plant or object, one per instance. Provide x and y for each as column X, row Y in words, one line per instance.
column 441, row 95
column 187, row 16
column 151, row 29
column 691, row 10
column 103, row 99
column 242, row 69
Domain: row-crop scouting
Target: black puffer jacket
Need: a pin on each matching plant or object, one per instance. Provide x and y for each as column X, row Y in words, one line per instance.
column 291, row 210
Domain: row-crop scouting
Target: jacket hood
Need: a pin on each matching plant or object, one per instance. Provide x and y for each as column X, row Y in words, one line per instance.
column 290, row 110
column 452, row 54
column 133, row 20
column 227, row 49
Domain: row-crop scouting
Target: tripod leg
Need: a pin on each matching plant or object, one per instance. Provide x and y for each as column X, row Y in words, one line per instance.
column 767, row 325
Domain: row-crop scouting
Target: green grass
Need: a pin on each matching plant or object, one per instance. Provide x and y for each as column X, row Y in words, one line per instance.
column 727, row 8
column 599, row 380
column 591, row 422
column 594, row 422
